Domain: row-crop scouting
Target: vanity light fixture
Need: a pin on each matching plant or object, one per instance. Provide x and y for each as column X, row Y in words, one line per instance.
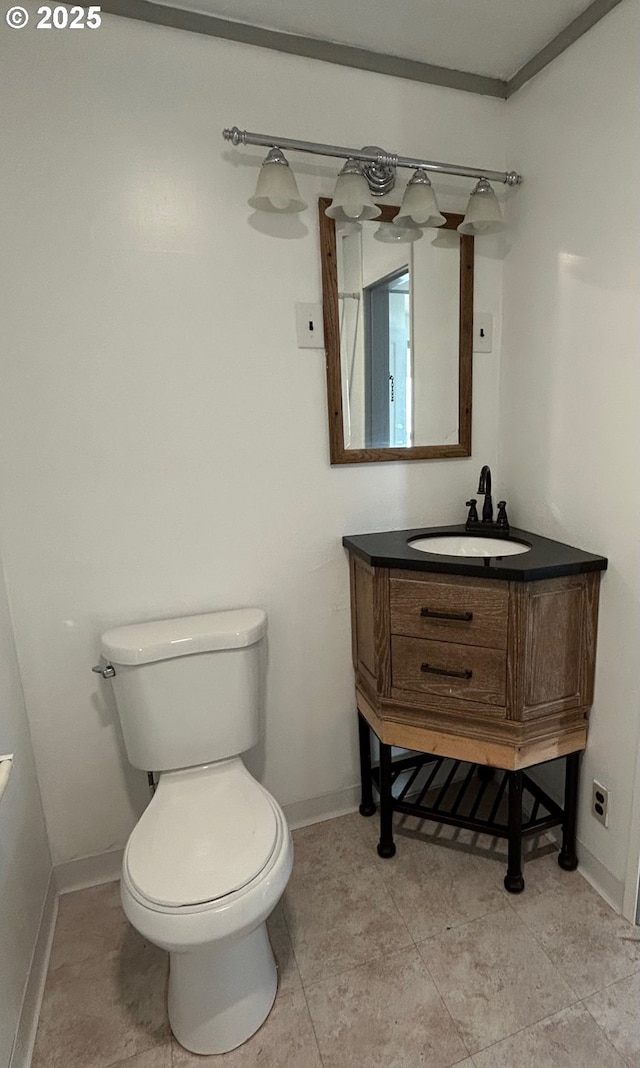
column 419, row 206
column 351, row 197
column 277, row 189
column 483, row 212
column 376, row 169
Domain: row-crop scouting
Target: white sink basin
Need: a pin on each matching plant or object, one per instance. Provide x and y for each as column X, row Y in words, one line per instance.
column 468, row 545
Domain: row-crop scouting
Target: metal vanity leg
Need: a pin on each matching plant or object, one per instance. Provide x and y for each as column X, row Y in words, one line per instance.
column 386, row 847
column 367, row 807
column 567, row 857
column 513, row 880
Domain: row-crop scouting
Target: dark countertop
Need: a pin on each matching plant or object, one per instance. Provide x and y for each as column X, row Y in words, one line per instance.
column 546, row 558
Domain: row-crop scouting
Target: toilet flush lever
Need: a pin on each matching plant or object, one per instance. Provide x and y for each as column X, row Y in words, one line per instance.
column 106, row 670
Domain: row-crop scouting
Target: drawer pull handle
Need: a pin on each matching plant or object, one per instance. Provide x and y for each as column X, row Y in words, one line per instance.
column 463, row 617
column 429, row 670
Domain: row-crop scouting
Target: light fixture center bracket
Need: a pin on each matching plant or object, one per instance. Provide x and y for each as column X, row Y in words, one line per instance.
column 381, row 175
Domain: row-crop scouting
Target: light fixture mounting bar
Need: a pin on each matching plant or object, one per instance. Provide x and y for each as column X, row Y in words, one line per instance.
column 245, row 137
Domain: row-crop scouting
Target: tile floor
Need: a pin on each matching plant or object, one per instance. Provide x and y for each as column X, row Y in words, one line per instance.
column 422, row 961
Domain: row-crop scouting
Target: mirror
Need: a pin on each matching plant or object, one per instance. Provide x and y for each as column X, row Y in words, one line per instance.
column 398, row 328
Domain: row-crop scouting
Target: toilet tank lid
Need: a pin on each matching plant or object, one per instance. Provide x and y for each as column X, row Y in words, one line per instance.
column 162, row 639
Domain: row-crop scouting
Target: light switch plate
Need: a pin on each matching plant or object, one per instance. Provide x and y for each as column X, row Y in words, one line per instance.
column 483, row 332
column 309, row 327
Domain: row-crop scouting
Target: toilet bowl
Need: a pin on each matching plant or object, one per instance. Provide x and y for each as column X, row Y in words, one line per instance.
column 203, row 869
column 212, row 853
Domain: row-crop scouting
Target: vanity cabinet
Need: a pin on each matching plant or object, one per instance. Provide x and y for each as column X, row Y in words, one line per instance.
column 490, row 662
column 495, row 670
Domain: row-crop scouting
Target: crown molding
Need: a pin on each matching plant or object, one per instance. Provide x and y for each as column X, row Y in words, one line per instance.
column 360, row 58
column 307, row 47
column 571, row 33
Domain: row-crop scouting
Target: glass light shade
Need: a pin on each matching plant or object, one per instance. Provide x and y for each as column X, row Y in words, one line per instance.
column 396, row 235
column 276, row 189
column 419, row 206
column 483, row 212
column 351, row 196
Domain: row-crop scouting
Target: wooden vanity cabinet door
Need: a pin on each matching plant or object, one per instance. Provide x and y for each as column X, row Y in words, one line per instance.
column 553, row 644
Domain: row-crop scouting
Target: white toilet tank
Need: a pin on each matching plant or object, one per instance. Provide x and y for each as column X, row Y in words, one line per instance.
column 188, row 690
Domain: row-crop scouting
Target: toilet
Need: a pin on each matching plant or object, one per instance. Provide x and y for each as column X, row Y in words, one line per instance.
column 212, row 853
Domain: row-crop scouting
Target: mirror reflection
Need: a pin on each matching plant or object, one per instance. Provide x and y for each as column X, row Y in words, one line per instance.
column 386, row 418
column 398, row 320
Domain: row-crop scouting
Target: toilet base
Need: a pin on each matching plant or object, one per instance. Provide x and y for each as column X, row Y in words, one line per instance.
column 220, row 994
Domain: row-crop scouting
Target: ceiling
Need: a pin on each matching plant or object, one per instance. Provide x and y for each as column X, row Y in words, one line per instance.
column 499, row 43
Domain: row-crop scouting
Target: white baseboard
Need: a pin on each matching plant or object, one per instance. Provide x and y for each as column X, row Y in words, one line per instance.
column 600, row 878
column 594, row 871
column 88, row 871
column 338, row 803
column 107, row 867
column 325, row 807
column 74, row 875
column 30, row 1012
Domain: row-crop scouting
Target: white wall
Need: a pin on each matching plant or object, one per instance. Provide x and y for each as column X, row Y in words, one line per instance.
column 569, row 442
column 25, row 864
column 163, row 444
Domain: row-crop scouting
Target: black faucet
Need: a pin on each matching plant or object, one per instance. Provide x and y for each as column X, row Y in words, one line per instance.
column 487, row 524
column 484, row 486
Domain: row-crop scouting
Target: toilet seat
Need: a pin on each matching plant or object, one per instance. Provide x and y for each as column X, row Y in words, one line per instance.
column 207, row 833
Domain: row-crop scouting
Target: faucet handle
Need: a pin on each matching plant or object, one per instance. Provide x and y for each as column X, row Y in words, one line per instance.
column 473, row 511
column 502, row 520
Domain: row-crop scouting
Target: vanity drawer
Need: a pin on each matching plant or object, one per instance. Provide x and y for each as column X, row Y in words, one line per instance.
column 448, row 670
column 447, row 612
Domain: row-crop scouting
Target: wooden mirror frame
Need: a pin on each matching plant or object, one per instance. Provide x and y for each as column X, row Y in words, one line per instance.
column 338, row 452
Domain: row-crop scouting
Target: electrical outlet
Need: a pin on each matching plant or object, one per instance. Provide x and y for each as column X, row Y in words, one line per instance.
column 600, row 803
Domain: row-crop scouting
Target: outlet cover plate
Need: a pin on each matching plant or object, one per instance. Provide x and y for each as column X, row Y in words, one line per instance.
column 600, row 803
